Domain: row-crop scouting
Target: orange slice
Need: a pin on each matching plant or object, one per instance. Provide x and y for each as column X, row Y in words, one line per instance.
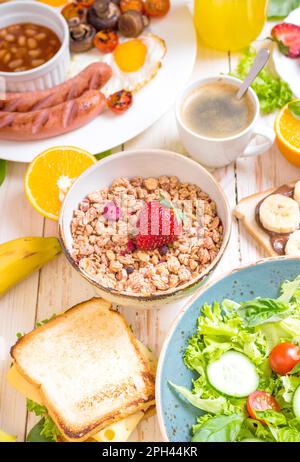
column 287, row 129
column 51, row 174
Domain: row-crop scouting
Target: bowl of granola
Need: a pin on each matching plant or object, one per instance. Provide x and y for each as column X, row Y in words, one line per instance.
column 145, row 227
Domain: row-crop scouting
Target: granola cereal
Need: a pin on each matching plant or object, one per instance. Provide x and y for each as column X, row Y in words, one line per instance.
column 105, row 225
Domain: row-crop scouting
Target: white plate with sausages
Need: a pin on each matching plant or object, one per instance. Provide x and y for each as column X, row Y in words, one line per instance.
column 108, row 130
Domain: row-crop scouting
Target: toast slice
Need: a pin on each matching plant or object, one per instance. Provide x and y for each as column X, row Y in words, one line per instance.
column 88, row 368
column 245, row 212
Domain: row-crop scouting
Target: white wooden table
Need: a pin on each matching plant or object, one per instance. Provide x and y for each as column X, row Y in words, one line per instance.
column 57, row 286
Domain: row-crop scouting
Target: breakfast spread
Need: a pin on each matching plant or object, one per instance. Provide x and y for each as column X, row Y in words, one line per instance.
column 146, row 236
column 94, row 379
column 26, row 46
column 273, row 219
column 146, row 227
column 245, row 356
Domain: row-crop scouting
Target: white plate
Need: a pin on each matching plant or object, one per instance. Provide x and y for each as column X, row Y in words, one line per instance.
column 289, row 69
column 108, row 130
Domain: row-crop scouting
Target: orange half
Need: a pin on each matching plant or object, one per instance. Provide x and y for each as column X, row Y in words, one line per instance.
column 51, row 174
column 287, row 129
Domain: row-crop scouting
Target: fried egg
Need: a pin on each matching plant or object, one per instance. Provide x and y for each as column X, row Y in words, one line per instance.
column 134, row 63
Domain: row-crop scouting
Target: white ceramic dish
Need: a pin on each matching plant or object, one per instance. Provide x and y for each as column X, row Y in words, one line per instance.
column 108, row 130
column 52, row 72
column 144, row 163
column 289, row 69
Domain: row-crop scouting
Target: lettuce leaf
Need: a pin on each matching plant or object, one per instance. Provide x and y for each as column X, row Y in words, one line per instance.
column 273, row 92
column 46, row 427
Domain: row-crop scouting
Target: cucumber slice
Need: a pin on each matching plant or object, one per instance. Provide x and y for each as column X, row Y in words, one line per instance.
column 233, row 375
column 296, row 402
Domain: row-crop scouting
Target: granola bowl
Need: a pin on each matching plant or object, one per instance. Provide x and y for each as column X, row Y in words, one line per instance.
column 102, row 236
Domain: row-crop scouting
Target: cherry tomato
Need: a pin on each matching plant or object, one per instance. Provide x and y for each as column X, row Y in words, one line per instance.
column 261, row 401
column 120, row 101
column 136, row 5
column 156, row 8
column 284, row 357
column 74, row 10
column 106, row 41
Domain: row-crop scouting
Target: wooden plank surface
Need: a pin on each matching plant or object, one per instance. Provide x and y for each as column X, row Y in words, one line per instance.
column 58, row 286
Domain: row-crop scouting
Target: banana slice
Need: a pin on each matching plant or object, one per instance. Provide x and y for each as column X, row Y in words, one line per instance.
column 297, row 192
column 293, row 244
column 279, row 214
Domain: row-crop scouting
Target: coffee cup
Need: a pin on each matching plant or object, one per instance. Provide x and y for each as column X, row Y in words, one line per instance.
column 213, row 152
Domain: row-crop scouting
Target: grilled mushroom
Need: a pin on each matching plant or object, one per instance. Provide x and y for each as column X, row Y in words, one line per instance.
column 81, row 37
column 132, row 23
column 104, row 14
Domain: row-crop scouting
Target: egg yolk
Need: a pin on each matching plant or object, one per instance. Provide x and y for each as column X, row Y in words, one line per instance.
column 130, row 56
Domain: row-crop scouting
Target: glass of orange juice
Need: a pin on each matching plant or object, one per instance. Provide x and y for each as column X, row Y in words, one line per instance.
column 229, row 24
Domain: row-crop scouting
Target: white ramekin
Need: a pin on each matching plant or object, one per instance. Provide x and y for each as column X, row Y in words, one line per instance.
column 54, row 71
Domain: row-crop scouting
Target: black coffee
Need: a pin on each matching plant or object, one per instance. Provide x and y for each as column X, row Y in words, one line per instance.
column 213, row 110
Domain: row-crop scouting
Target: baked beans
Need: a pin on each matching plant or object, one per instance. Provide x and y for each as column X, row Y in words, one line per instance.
column 26, row 46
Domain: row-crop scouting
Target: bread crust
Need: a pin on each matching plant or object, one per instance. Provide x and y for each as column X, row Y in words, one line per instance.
column 71, row 432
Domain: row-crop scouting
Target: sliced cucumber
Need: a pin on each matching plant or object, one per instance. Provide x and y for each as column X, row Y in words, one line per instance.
column 233, row 374
column 296, row 402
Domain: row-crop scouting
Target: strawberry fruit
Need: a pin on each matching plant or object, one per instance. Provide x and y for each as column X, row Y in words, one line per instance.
column 288, row 38
column 157, row 226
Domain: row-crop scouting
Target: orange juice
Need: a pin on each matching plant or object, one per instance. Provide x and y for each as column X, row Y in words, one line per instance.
column 229, row 24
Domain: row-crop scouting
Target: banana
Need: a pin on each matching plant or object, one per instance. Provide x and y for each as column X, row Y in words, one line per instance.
column 6, row 438
column 20, row 257
column 293, row 244
column 279, row 214
column 297, row 192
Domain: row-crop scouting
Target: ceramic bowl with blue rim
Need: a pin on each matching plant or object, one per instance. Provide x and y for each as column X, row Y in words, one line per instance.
column 263, row 279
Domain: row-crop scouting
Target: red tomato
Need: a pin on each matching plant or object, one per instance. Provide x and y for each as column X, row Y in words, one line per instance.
column 74, row 10
column 261, row 401
column 284, row 357
column 136, row 5
column 120, row 101
column 106, row 41
column 156, row 8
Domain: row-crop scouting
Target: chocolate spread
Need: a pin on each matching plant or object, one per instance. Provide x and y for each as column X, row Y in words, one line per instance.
column 278, row 241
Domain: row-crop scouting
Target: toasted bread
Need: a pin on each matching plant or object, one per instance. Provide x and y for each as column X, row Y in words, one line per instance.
column 88, row 368
column 245, row 212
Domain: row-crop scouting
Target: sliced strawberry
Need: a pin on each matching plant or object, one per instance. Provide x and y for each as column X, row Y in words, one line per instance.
column 288, row 38
column 157, row 226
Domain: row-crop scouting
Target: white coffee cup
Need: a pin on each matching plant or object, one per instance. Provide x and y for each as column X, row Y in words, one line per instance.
column 218, row 152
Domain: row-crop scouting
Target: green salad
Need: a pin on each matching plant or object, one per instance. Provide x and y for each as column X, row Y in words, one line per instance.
column 247, row 361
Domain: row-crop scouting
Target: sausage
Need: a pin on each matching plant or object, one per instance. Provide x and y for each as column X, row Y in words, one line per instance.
column 92, row 77
column 53, row 121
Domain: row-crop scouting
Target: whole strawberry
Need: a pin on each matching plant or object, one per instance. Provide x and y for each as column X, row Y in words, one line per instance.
column 288, row 38
column 157, row 225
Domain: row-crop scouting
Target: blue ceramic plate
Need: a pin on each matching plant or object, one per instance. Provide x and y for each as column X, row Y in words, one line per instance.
column 176, row 417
